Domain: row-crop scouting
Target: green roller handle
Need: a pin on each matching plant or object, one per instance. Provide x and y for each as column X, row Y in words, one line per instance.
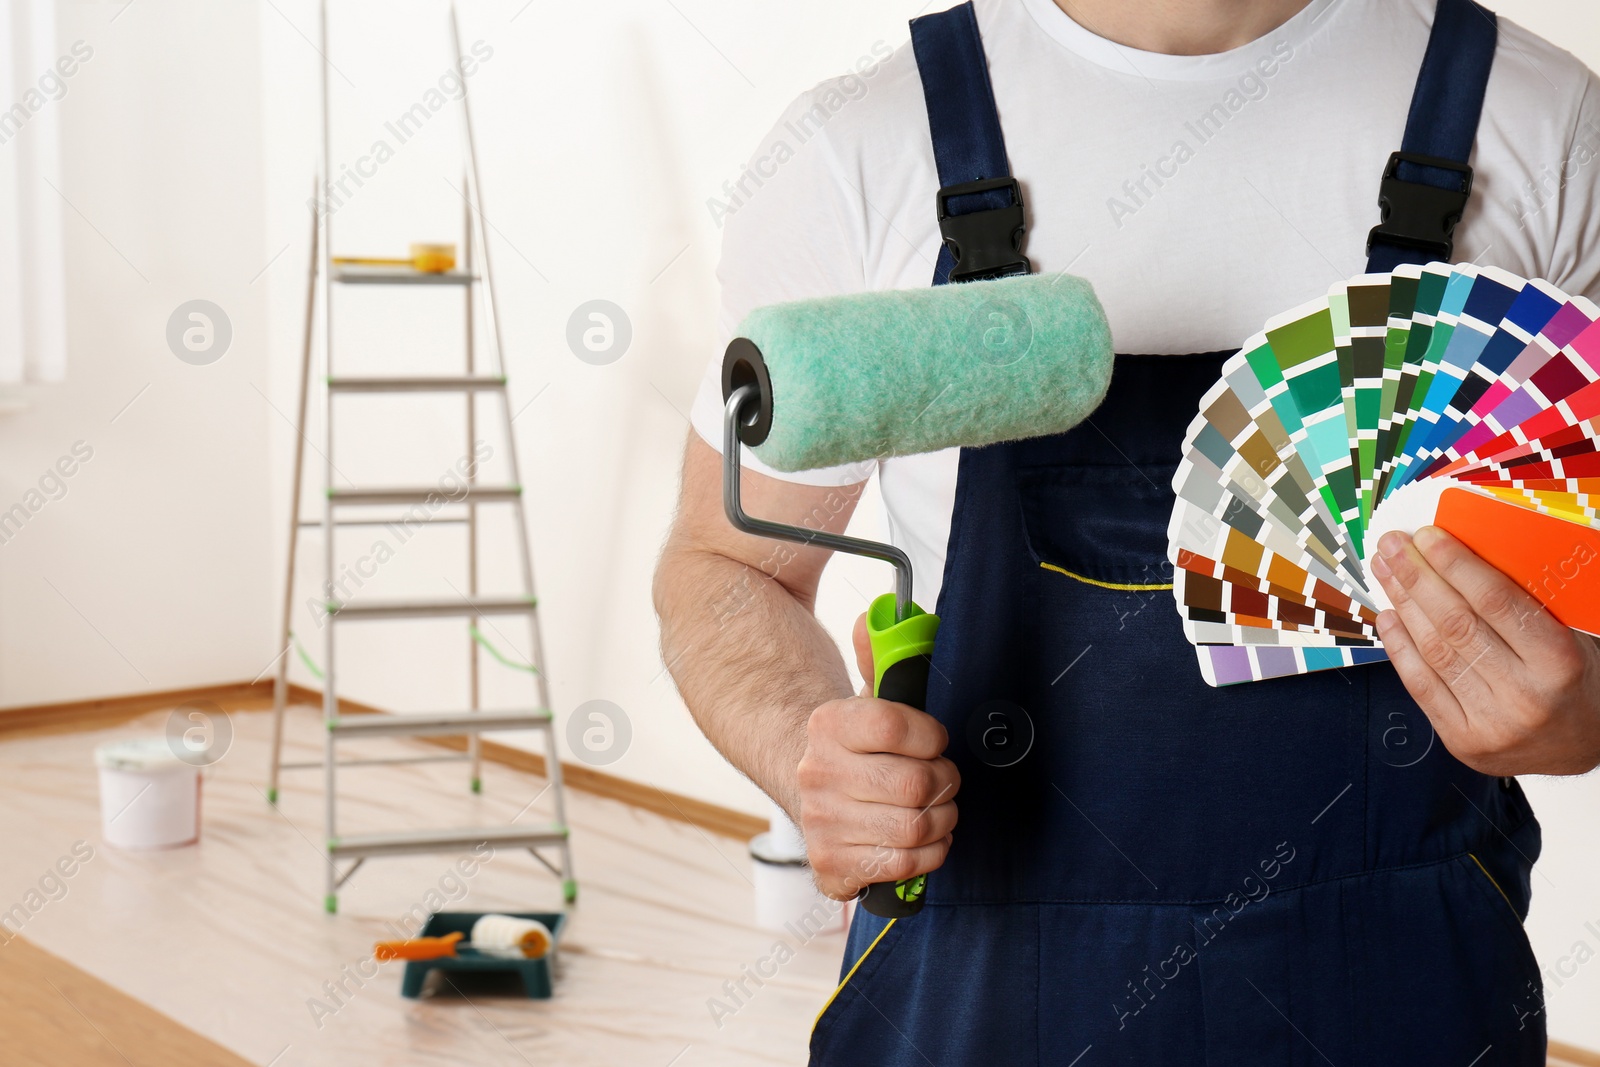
column 900, row 661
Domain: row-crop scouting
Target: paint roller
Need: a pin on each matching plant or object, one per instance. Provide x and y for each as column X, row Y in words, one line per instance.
column 868, row 376
column 504, row 936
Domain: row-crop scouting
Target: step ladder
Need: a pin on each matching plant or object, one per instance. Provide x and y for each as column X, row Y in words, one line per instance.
column 346, row 507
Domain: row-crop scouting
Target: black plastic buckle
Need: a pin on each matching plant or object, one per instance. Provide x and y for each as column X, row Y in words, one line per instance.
column 1418, row 215
column 987, row 243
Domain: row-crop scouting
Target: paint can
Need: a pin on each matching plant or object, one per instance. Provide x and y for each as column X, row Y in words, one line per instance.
column 149, row 798
column 787, row 900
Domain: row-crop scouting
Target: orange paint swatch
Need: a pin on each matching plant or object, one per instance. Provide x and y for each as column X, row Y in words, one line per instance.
column 1556, row 561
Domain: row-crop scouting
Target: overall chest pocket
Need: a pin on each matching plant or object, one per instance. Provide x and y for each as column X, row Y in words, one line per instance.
column 1103, row 524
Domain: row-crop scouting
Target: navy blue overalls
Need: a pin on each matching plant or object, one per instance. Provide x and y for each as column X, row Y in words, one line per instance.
column 1286, row 872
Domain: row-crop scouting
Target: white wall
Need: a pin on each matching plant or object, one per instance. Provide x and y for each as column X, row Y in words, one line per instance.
column 150, row 571
column 189, row 144
column 1564, row 924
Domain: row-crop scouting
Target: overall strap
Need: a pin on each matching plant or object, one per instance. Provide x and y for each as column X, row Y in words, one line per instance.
column 1427, row 183
column 979, row 203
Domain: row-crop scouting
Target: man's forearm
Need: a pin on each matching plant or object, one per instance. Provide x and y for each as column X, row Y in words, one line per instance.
column 750, row 660
column 864, row 778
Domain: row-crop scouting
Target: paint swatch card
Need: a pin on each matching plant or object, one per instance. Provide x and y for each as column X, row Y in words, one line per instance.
column 1459, row 396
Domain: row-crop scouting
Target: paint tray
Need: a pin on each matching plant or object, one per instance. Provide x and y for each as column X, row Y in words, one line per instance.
column 535, row 974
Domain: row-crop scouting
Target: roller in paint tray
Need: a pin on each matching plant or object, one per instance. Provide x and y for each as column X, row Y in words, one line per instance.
column 503, row 936
column 818, row 383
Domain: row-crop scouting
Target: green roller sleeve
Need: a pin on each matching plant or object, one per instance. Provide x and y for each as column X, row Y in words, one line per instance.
column 900, row 661
column 900, row 372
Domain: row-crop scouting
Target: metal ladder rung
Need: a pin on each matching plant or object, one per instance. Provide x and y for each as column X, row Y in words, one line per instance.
column 438, row 724
column 384, row 761
column 455, row 607
column 351, row 275
column 423, row 494
column 360, row 846
column 431, row 520
column 432, row 384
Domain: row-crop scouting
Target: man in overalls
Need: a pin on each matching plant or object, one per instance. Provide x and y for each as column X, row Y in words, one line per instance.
column 1329, row 869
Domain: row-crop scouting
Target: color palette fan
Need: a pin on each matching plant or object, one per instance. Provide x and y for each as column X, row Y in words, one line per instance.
column 1457, row 396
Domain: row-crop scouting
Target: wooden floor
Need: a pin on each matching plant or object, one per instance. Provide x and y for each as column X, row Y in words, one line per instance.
column 228, row 937
column 220, row 954
column 56, row 1014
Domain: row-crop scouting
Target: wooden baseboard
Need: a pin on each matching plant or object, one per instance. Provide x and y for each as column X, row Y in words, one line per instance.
column 257, row 696
column 101, row 711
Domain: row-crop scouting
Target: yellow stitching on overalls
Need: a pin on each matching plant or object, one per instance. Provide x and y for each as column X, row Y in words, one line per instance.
column 851, row 974
column 1122, row 587
column 1494, row 883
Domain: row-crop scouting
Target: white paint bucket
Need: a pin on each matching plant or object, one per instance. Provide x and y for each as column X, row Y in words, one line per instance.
column 149, row 798
column 787, row 900
column 783, row 836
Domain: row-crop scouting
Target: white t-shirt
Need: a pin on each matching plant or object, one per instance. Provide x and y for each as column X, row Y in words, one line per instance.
column 1199, row 194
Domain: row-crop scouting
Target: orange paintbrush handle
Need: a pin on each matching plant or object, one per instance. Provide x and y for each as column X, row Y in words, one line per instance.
column 417, row 948
column 427, row 258
column 372, row 261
